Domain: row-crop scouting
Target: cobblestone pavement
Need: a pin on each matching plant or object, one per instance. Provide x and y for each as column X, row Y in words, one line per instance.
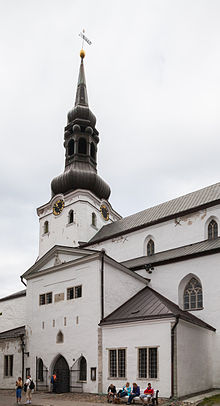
column 7, row 398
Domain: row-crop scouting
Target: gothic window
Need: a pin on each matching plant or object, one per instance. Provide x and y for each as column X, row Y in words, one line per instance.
column 70, row 216
column 94, row 220
column 40, row 368
column 212, row 230
column 92, row 150
column 71, row 147
column 82, row 369
column 150, row 248
column 60, row 337
column 192, row 298
column 46, row 227
column 82, row 146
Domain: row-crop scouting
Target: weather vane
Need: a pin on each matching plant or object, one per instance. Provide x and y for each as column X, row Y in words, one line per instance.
column 84, row 38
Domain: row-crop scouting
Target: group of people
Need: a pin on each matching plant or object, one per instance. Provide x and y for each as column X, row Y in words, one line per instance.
column 28, row 387
column 114, row 396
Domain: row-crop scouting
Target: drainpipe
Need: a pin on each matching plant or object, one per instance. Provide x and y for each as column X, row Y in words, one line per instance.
column 22, row 359
column 102, row 283
column 173, row 355
column 22, row 280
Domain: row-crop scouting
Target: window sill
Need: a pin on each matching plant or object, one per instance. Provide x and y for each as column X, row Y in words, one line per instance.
column 113, row 378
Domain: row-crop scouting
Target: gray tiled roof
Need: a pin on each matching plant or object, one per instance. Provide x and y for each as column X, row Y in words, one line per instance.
column 14, row 333
column 208, row 196
column 150, row 305
column 14, row 295
column 197, row 249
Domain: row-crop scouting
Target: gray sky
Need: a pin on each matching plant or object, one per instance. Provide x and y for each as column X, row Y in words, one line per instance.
column 153, row 80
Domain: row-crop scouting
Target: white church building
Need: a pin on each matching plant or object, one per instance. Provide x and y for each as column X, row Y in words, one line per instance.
column 114, row 299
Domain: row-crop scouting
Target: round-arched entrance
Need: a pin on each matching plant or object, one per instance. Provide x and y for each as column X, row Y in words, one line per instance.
column 61, row 368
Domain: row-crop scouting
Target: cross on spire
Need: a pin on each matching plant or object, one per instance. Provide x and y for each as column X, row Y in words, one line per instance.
column 84, row 38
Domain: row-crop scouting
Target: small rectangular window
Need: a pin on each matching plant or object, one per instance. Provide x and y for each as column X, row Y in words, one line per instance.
column 28, row 372
column 64, row 321
column 45, row 298
column 117, row 363
column 74, row 292
column 53, row 324
column 8, row 365
column 42, row 325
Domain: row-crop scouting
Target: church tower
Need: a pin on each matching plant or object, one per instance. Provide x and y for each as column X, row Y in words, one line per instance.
column 79, row 205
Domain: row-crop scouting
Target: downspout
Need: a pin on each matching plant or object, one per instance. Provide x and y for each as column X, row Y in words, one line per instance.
column 21, row 277
column 22, row 359
column 173, row 357
column 102, row 283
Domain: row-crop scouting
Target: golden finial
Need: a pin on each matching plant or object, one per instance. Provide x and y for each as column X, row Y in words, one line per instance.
column 82, row 53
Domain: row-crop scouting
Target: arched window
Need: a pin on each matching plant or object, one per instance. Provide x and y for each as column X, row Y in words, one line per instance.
column 92, row 150
column 212, row 230
column 70, row 216
column 82, row 369
column 82, row 146
column 46, row 227
column 40, row 368
column 71, row 147
column 150, row 248
column 94, row 219
column 192, row 298
column 60, row 337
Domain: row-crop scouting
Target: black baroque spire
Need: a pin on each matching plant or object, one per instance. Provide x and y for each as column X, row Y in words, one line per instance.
column 80, row 141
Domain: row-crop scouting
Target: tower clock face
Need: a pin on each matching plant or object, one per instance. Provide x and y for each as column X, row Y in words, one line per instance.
column 58, row 207
column 104, row 211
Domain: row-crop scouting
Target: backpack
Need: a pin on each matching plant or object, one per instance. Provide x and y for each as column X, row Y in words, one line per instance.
column 25, row 387
column 32, row 385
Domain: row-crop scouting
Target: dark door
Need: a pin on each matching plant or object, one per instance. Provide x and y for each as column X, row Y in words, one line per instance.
column 61, row 369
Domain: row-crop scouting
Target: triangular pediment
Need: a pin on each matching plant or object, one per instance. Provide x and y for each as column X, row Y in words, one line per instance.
column 57, row 256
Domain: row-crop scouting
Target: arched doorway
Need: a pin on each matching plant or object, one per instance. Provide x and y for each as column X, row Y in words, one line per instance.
column 61, row 368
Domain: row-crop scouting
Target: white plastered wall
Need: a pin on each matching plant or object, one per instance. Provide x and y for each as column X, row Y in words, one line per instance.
column 134, row 335
column 13, row 313
column 194, row 359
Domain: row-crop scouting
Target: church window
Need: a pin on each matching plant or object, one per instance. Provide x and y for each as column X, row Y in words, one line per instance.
column 82, row 369
column 45, row 298
column 117, row 363
column 74, row 292
column 92, row 150
column 212, row 230
column 192, row 297
column 71, row 147
column 46, row 227
column 147, row 362
column 150, row 248
column 70, row 217
column 82, row 146
column 94, row 220
column 60, row 337
column 8, row 365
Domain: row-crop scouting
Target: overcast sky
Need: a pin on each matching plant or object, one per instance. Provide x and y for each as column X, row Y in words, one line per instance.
column 153, row 80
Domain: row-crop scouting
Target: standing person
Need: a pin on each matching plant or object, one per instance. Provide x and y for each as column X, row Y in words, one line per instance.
column 111, row 393
column 19, row 385
column 148, row 393
column 54, row 382
column 135, row 392
column 28, row 384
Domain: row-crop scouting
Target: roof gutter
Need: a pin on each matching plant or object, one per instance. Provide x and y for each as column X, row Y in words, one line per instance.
column 174, row 359
column 22, row 280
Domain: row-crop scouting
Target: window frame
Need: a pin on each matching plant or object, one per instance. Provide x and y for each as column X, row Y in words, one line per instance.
column 150, row 247
column 212, row 230
column 148, row 365
column 197, row 292
column 45, row 298
column 8, row 365
column 74, row 290
column 118, row 367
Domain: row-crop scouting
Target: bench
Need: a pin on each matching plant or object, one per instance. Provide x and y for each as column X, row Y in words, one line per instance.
column 154, row 399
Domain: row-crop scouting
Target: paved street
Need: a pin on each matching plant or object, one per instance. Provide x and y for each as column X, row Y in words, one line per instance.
column 7, row 398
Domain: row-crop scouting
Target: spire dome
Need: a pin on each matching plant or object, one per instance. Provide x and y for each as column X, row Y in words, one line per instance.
column 80, row 141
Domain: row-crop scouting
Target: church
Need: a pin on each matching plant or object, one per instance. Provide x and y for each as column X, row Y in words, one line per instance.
column 112, row 299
